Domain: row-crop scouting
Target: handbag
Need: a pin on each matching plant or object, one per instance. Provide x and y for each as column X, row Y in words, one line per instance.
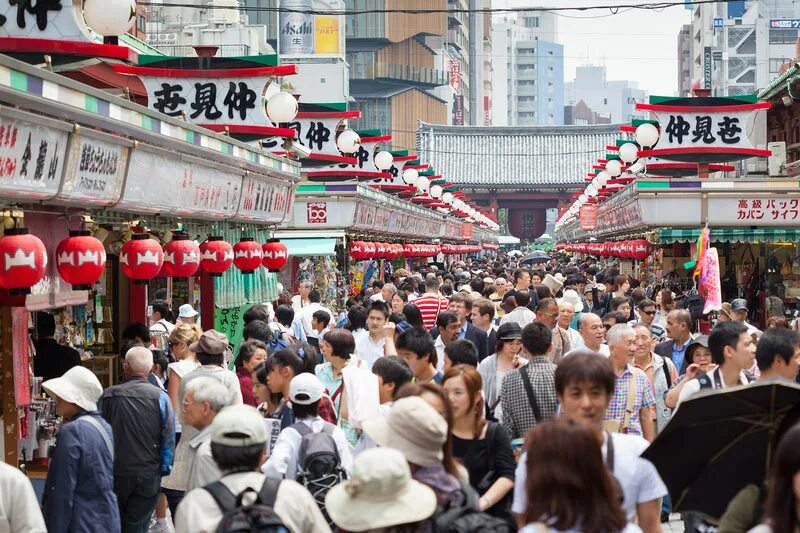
column 617, row 426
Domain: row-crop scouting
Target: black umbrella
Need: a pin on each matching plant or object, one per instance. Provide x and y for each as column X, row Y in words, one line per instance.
column 537, row 256
column 719, row 441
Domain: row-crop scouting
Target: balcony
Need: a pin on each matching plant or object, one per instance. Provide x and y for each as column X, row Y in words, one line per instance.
column 458, row 39
column 429, row 77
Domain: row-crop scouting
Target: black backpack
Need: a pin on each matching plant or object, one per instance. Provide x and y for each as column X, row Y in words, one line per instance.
column 467, row 518
column 258, row 517
column 319, row 467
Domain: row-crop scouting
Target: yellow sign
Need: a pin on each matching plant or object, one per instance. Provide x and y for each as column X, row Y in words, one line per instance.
column 326, row 34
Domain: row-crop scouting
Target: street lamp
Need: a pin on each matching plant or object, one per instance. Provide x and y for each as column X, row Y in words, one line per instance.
column 282, row 107
column 109, row 18
column 436, row 191
column 447, row 198
column 410, row 176
column 383, row 160
column 629, row 152
column 614, row 168
column 647, row 135
column 348, row 142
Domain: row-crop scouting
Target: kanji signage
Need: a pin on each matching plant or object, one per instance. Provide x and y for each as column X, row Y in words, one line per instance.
column 95, row 171
column 704, row 130
column 784, row 24
column 777, row 211
column 221, row 101
column 44, row 19
column 588, row 217
column 264, row 201
column 316, row 134
column 31, row 156
column 160, row 182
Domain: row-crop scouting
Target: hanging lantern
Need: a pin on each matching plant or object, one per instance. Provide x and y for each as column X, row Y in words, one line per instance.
column 369, row 250
column 80, row 260
column 357, row 250
column 641, row 249
column 23, row 260
column 391, row 252
column 247, row 255
column 216, row 256
column 380, row 250
column 410, row 250
column 401, row 251
column 181, row 256
column 141, row 258
column 276, row 255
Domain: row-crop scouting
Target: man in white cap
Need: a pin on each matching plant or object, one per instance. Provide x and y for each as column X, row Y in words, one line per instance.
column 238, row 445
column 79, row 491
column 187, row 314
column 305, row 392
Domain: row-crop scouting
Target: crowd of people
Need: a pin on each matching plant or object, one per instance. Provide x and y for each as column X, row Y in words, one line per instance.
column 487, row 395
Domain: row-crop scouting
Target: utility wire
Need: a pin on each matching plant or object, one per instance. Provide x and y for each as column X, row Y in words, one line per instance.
column 652, row 6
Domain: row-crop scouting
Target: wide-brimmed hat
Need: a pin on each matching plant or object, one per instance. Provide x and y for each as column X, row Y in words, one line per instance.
column 380, row 493
column 552, row 283
column 572, row 298
column 413, row 427
column 700, row 340
column 187, row 311
column 78, row 385
column 211, row 342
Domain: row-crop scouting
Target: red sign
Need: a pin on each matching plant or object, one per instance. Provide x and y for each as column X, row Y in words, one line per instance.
column 588, row 217
column 455, row 75
column 317, row 213
column 487, row 111
column 466, row 230
column 21, row 355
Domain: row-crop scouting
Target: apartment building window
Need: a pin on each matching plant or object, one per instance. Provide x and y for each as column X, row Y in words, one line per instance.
column 581, row 122
column 605, row 101
column 776, row 64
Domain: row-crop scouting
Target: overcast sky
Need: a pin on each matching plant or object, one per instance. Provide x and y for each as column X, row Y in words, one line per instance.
column 637, row 45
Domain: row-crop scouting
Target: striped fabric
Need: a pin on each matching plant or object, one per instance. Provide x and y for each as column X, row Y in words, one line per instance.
column 731, row 235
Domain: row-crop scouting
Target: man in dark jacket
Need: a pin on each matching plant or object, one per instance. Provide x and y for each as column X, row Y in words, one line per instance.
column 52, row 359
column 79, row 492
column 144, row 438
column 461, row 305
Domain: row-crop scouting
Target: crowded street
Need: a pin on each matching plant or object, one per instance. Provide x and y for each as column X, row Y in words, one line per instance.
column 399, row 266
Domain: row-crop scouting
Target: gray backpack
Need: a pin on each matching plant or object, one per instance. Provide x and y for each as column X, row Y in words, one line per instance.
column 319, row 466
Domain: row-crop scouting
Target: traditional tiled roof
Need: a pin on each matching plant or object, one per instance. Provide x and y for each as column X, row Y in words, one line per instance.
column 778, row 85
column 514, row 157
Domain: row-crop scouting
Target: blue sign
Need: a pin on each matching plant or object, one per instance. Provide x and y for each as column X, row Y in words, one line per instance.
column 784, row 24
column 717, row 22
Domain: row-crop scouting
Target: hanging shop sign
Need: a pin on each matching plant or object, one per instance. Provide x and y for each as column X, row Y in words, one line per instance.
column 44, row 19
column 365, row 215
column 588, row 217
column 264, row 201
column 776, row 211
column 201, row 190
column 318, row 134
column 339, row 214
column 704, row 130
column 95, row 169
column 317, row 213
column 32, row 153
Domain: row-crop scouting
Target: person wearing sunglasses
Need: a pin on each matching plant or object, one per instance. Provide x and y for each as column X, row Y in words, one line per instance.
column 647, row 314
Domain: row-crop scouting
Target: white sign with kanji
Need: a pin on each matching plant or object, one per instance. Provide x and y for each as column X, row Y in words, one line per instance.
column 776, row 211
column 223, row 101
column 60, row 20
column 687, row 129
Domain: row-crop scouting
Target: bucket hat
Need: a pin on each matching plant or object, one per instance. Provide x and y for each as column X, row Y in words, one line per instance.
column 571, row 297
column 78, row 385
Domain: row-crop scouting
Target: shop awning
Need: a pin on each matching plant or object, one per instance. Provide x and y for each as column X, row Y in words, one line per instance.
column 731, row 235
column 310, row 247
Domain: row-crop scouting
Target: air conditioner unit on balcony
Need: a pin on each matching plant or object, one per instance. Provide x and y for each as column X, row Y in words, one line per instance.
column 776, row 163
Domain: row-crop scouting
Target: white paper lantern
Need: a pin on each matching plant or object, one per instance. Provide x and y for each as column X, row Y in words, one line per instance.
column 591, row 191
column 384, row 160
column 282, row 107
column 602, row 178
column 348, row 142
column 629, row 152
column 647, row 135
column 447, row 198
column 436, row 191
column 614, row 168
column 109, row 18
column 422, row 184
column 410, row 176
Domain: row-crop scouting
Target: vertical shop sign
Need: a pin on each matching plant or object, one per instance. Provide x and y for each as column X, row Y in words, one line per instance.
column 458, row 110
column 588, row 217
column 455, row 75
column 707, row 64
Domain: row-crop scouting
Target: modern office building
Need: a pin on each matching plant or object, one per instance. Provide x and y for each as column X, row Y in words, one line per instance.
column 685, row 61
column 615, row 99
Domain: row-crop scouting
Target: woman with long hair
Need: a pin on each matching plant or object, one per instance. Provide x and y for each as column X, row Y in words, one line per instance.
column 664, row 304
column 399, row 300
column 484, row 447
column 782, row 509
column 569, row 487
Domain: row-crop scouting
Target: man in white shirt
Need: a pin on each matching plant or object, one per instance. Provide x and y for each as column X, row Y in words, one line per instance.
column 300, row 300
column 521, row 314
column 305, row 392
column 19, row 508
column 584, row 386
column 734, row 350
column 370, row 346
column 739, row 311
column 307, row 314
column 449, row 327
column 387, row 293
column 593, row 333
column 239, row 437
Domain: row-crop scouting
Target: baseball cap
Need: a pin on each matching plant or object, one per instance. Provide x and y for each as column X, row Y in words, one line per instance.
column 739, row 304
column 305, row 389
column 239, row 426
column 187, row 311
column 211, row 342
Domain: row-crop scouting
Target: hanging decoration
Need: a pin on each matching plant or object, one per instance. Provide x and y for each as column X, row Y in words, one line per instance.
column 141, row 258
column 276, row 255
column 247, row 255
column 216, row 256
column 23, row 260
column 181, row 256
column 80, row 260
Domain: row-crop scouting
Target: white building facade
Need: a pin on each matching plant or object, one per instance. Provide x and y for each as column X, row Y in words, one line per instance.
column 615, row 99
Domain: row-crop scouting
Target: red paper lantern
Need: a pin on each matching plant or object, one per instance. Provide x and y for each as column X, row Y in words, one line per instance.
column 276, row 255
column 391, row 252
column 181, row 256
column 216, row 256
column 357, row 250
column 641, row 249
column 401, row 251
column 141, row 258
column 80, row 260
column 23, row 260
column 380, row 250
column 247, row 255
column 369, row 250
